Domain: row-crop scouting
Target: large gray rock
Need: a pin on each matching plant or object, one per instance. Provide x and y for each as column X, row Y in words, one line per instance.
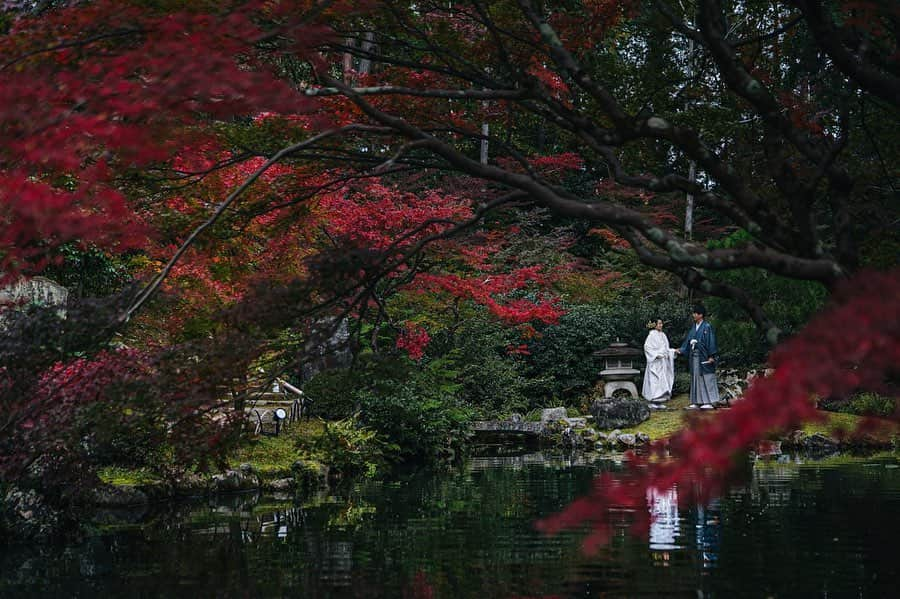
column 819, row 443
column 328, row 346
column 281, row 485
column 119, row 496
column 552, row 415
column 627, row 440
column 27, row 515
column 191, row 485
column 615, row 412
column 234, row 480
column 38, row 290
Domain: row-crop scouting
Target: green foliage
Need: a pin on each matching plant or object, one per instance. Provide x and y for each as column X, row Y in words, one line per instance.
column 682, row 382
column 125, row 430
column 348, row 447
column 331, row 392
column 881, row 251
column 117, row 475
column 273, row 457
column 863, row 404
column 491, row 381
column 89, row 272
column 417, row 407
column 425, row 424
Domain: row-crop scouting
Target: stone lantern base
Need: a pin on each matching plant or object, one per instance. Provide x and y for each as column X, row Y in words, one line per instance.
column 619, row 378
column 612, row 386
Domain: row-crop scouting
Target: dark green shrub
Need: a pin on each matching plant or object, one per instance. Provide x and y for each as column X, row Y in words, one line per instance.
column 331, row 392
column 413, row 406
column 425, row 426
column 471, row 361
column 863, row 404
column 682, row 382
column 349, row 448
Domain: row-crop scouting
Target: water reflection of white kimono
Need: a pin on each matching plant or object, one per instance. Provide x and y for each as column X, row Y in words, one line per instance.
column 660, row 373
column 664, row 521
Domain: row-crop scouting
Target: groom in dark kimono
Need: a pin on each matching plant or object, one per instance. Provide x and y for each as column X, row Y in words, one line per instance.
column 700, row 348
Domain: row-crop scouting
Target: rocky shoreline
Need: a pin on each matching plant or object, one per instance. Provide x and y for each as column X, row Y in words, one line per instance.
column 27, row 516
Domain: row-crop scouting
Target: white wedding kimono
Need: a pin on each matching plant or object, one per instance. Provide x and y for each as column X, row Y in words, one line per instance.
column 660, row 373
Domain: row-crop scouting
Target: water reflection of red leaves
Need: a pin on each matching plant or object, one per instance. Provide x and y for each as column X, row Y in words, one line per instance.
column 853, row 345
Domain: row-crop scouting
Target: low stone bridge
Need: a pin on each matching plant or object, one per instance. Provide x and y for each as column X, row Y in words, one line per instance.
column 532, row 429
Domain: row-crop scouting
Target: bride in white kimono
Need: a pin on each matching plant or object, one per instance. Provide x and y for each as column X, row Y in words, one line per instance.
column 660, row 373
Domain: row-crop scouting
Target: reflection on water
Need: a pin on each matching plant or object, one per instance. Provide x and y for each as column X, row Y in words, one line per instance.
column 798, row 528
column 709, row 529
column 664, row 520
column 665, row 529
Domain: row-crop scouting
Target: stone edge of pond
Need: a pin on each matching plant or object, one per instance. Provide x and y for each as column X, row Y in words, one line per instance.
column 305, row 475
column 573, row 434
column 27, row 516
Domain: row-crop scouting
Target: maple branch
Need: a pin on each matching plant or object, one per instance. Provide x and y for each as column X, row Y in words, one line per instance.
column 154, row 284
column 450, row 94
column 685, row 139
column 565, row 203
column 402, row 151
column 770, row 35
column 745, row 85
column 71, row 44
column 754, row 220
column 195, row 177
column 387, row 265
column 695, row 279
column 331, row 184
column 869, row 77
column 389, row 260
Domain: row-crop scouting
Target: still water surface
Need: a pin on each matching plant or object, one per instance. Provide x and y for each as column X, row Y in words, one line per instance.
column 797, row 528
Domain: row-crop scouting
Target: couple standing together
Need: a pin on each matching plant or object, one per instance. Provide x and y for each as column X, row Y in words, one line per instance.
column 699, row 347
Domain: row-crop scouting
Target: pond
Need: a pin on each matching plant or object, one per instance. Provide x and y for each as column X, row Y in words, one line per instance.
column 797, row 528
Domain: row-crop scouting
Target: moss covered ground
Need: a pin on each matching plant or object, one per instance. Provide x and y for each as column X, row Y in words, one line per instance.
column 663, row 423
column 117, row 475
column 272, row 457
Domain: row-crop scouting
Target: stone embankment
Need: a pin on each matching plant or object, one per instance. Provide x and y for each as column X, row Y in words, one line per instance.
column 26, row 514
column 556, row 428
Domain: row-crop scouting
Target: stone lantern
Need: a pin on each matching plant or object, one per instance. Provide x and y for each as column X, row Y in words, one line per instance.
column 619, row 371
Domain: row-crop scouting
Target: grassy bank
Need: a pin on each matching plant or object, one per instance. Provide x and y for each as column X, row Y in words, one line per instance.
column 271, row 457
column 663, row 423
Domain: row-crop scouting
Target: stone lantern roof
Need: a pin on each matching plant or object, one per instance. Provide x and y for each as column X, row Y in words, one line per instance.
column 618, row 350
